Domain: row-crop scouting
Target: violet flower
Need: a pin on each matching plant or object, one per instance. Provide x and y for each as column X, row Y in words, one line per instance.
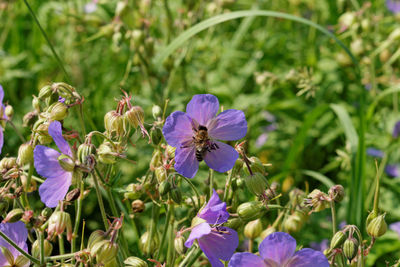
column 278, row 249
column 217, row 243
column 18, row 233
column 47, row 164
column 195, row 132
column 91, row 7
column 3, row 117
column 393, row 6
column 374, row 152
column 395, row 227
column 320, row 246
column 396, row 130
column 392, row 170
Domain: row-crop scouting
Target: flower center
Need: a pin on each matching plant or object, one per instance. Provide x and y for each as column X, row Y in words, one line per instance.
column 202, row 142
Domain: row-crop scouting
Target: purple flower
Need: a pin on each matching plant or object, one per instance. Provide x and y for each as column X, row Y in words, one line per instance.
column 90, row 7
column 392, row 170
column 374, row 152
column 395, row 227
column 393, row 6
column 278, row 249
column 16, row 232
column 3, row 117
column 217, row 243
column 47, row 164
column 195, row 132
column 396, row 130
column 320, row 246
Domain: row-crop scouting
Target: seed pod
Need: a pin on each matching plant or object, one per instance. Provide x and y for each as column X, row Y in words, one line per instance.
column 135, row 262
column 106, row 154
column 337, row 240
column 60, row 221
column 156, row 160
column 135, row 116
column 234, row 223
column 138, row 206
column 9, row 111
column 253, row 229
column 48, row 248
column 104, row 251
column 161, row 174
column 59, row 111
column 95, row 237
column 317, row 200
column 256, row 166
column 249, row 211
column 25, row 154
column 133, row 191
column 179, row 244
column 350, row 248
column 377, row 227
column 256, row 183
column 176, row 195
column 164, row 187
column 372, row 215
column 7, row 163
column 156, row 135
column 14, row 216
column 336, row 193
column 114, row 122
column 157, row 111
column 154, row 243
column 84, row 150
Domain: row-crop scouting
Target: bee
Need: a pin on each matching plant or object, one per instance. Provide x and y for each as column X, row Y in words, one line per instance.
column 202, row 142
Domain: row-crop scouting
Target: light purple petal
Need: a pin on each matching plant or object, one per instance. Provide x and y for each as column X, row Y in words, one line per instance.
column 374, row 152
column 395, row 227
column 396, row 128
column 46, row 162
column 392, row 170
column 1, row 95
column 215, row 210
column 393, row 6
column 229, row 125
column 221, row 159
column 278, row 246
column 16, row 232
column 177, row 128
column 197, row 232
column 246, row 259
column 308, row 257
column 219, row 245
column 54, row 189
column 186, row 162
column 202, row 108
column 55, row 132
column 1, row 139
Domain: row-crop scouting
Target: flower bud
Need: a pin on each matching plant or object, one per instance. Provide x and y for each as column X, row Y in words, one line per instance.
column 46, row 212
column 336, row 193
column 337, row 240
column 372, row 215
column 114, row 122
column 133, row 191
column 233, row 223
column 157, row 111
column 135, row 262
column 135, row 116
column 179, row 244
column 350, row 248
column 25, row 154
column 48, row 248
column 161, row 174
column 59, row 111
column 156, row 160
column 66, row 163
column 253, row 229
column 156, row 135
column 377, row 227
column 357, row 47
column 292, row 224
column 138, row 206
column 317, row 200
column 45, row 92
column 95, row 237
column 154, row 243
column 7, row 163
column 29, row 119
column 249, row 211
column 60, row 221
column 164, row 188
column 176, row 195
column 36, row 103
column 14, row 216
column 84, row 150
column 106, row 154
column 104, row 251
column 267, row 232
column 137, row 37
column 256, row 183
column 256, row 166
column 9, row 111
column 347, row 19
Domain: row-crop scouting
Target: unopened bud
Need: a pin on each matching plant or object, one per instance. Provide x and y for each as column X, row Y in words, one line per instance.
column 36, row 103
column 60, row 221
column 336, row 193
column 66, row 163
column 46, row 212
column 377, row 227
column 253, row 229
column 179, row 244
column 256, row 166
column 347, row 19
column 59, row 111
column 135, row 262
column 337, row 240
column 48, row 248
column 14, row 216
column 133, row 191
column 171, row 151
column 114, row 122
column 234, row 223
column 156, row 160
column 9, row 111
column 106, row 154
column 84, row 150
column 45, row 92
column 138, row 206
column 25, row 154
column 7, row 164
column 164, row 187
column 256, row 183
column 267, row 232
column 317, row 200
column 372, row 215
column 357, row 47
column 135, row 116
column 104, row 251
column 156, row 135
column 176, row 195
column 157, row 111
column 292, row 224
column 143, row 243
column 95, row 237
column 73, row 195
column 249, row 211
column 161, row 174
column 350, row 248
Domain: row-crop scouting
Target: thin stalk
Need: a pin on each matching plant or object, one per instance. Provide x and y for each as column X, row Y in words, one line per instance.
column 189, row 254
column 195, row 257
column 155, row 212
column 211, row 179
column 21, row 137
column 60, row 257
column 250, row 248
column 227, row 185
column 100, row 199
column 195, row 191
column 61, row 245
column 41, row 240
column 167, row 222
column 376, row 197
column 171, row 246
column 78, row 204
column 81, row 120
column 333, row 212
column 9, row 241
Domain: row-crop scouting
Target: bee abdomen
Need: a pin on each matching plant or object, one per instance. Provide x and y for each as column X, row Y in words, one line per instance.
column 199, row 155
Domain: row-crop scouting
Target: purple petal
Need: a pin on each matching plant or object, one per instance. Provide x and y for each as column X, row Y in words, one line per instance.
column 396, row 128
column 320, row 246
column 219, row 245
column 16, row 232
column 229, row 125
column 186, row 162
column 46, row 162
column 197, row 232
column 395, row 227
column 392, row 170
column 1, row 95
column 278, row 246
column 393, row 6
column 221, row 159
column 308, row 257
column 202, row 108
column 374, row 152
column 177, row 128
column 246, row 259
column 215, row 210
column 55, row 132
column 54, row 189
column 1, row 139
column 261, row 139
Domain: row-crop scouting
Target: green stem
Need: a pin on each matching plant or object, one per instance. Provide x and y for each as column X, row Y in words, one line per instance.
column 194, row 258
column 9, row 241
column 167, row 222
column 171, row 245
column 211, row 180
column 78, row 204
column 227, row 186
column 60, row 257
column 81, row 120
column 155, row 212
column 61, row 245
column 189, row 254
column 333, row 211
column 100, row 199
column 41, row 240
column 376, row 197
column 195, row 191
column 250, row 245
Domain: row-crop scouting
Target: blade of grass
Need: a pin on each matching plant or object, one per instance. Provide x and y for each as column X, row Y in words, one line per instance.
column 319, row 177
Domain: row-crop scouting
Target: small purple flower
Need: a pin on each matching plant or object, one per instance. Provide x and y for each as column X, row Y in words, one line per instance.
column 392, row 170
column 18, row 233
column 217, row 243
column 395, row 227
column 396, row 130
column 195, row 132
column 393, row 6
column 278, row 249
column 90, row 7
column 374, row 152
column 46, row 161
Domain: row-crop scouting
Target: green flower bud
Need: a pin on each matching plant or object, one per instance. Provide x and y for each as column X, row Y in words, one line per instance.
column 256, row 183
column 296, row 197
column 36, row 103
column 138, row 206
column 137, row 37
column 25, row 154
column 7, row 163
column 84, row 150
column 171, row 151
column 46, row 212
column 164, row 187
column 133, row 191
column 114, row 122
column 60, row 221
column 161, row 174
column 48, row 248
column 14, row 216
column 95, row 237
column 157, row 111
column 59, row 111
column 292, row 224
column 179, row 244
column 9, row 111
column 239, row 182
column 154, row 243
column 156, row 160
column 267, row 232
column 176, row 195
column 66, row 163
column 237, row 167
column 253, row 229
column 234, row 223
column 156, row 135
column 135, row 116
column 350, row 248
column 256, row 166
column 347, row 19
column 372, row 215
column 336, row 193
column 377, row 227
column 317, row 200
column 104, row 251
column 45, row 92
column 135, row 262
column 337, row 240
column 249, row 211
column 105, row 153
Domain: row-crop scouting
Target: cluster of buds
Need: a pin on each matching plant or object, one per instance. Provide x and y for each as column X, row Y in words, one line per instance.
column 318, row 200
column 345, row 241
